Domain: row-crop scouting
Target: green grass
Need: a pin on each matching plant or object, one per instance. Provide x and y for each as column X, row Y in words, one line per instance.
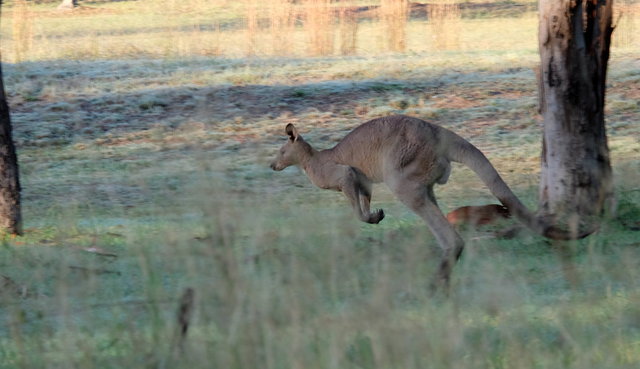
column 164, row 163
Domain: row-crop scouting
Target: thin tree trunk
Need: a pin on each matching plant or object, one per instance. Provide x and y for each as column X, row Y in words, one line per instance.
column 10, row 216
column 576, row 178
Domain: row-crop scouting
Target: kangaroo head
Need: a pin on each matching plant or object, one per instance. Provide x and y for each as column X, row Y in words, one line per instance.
column 292, row 152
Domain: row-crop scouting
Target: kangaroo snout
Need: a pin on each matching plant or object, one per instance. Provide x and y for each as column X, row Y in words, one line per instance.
column 275, row 166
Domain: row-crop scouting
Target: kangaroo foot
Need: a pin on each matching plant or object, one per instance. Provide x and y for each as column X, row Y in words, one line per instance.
column 376, row 217
column 439, row 285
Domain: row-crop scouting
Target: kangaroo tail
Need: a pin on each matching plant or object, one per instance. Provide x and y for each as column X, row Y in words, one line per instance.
column 461, row 151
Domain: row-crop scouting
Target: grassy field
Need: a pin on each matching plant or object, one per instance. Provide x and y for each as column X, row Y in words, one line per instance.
column 144, row 144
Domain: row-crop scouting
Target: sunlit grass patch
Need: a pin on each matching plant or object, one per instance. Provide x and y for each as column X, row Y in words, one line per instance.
column 170, row 29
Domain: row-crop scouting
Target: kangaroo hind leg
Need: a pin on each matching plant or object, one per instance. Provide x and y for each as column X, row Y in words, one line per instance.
column 421, row 199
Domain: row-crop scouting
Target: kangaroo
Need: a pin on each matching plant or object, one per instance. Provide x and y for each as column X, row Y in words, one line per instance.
column 478, row 215
column 410, row 156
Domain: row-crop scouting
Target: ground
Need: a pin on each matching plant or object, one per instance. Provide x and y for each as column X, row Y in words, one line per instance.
column 144, row 176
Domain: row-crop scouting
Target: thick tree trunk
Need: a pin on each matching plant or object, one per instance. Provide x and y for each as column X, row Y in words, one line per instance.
column 574, row 36
column 10, row 216
column 68, row 5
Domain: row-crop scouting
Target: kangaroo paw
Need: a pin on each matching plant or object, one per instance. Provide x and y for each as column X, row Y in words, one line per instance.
column 375, row 218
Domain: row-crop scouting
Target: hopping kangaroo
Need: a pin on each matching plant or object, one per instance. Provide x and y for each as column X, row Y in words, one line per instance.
column 409, row 155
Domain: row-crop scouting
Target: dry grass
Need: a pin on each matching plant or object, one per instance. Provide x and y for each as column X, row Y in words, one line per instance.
column 625, row 17
column 282, row 26
column 22, row 29
column 164, row 28
column 445, row 20
column 251, row 26
column 318, row 24
column 394, row 14
column 348, row 32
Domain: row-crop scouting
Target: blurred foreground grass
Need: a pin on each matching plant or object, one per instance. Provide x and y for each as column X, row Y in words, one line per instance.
column 283, row 283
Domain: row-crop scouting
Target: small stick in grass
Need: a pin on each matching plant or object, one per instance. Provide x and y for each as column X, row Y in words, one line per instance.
column 184, row 315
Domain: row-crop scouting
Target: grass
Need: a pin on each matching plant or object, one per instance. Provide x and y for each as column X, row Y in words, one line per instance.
column 164, row 164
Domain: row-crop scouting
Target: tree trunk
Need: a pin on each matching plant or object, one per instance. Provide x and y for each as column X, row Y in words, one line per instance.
column 576, row 178
column 68, row 5
column 10, row 216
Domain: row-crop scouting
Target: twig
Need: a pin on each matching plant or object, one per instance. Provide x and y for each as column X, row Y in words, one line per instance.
column 185, row 312
column 95, row 250
column 93, row 271
column 631, row 190
column 183, row 319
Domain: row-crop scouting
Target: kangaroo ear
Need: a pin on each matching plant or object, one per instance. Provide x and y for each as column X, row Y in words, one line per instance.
column 292, row 132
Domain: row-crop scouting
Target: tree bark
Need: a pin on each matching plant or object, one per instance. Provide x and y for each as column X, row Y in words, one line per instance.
column 10, row 215
column 574, row 40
